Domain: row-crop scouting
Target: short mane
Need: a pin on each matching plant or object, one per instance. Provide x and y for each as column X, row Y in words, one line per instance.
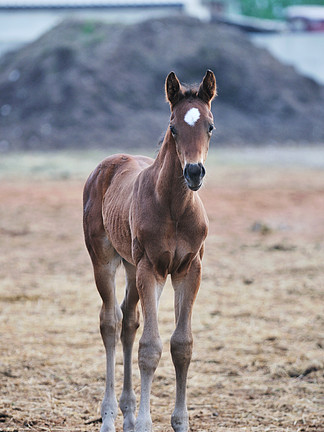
column 190, row 91
column 187, row 92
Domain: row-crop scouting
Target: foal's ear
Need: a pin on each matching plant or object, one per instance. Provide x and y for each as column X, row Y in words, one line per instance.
column 207, row 89
column 172, row 88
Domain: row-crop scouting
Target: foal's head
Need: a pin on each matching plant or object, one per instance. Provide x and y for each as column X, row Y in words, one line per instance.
column 191, row 124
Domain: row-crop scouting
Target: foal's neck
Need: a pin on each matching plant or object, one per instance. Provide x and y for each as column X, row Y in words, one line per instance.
column 170, row 185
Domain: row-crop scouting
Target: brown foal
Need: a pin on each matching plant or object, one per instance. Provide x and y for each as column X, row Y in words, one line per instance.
column 146, row 214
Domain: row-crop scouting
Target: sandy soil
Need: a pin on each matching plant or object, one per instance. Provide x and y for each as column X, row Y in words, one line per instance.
column 258, row 319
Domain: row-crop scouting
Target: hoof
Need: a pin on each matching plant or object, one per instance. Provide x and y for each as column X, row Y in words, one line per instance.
column 129, row 424
column 108, row 424
column 143, row 426
column 107, row 427
column 127, row 405
column 109, row 409
column 180, row 423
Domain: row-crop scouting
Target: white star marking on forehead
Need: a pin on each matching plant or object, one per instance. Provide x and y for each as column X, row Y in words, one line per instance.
column 192, row 116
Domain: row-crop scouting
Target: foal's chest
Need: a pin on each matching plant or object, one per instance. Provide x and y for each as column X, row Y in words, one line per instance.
column 172, row 245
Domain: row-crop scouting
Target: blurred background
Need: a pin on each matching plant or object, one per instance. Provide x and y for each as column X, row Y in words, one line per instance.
column 80, row 74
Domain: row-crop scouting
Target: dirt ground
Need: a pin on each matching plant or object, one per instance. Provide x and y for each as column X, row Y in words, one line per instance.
column 258, row 320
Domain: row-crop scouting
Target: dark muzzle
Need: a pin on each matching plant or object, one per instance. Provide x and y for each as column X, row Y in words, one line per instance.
column 194, row 174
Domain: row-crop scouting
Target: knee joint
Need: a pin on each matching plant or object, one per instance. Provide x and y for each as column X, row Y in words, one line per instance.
column 107, row 326
column 181, row 348
column 149, row 353
column 109, row 323
column 131, row 318
column 130, row 324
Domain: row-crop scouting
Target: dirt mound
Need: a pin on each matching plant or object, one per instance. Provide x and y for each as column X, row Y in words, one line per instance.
column 89, row 84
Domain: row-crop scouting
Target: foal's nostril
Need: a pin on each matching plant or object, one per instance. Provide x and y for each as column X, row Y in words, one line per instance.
column 185, row 171
column 194, row 171
column 193, row 174
column 203, row 171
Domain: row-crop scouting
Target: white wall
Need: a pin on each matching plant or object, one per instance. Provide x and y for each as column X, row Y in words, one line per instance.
column 303, row 50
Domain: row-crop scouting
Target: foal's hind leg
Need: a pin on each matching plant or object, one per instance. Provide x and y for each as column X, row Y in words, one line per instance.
column 130, row 324
column 105, row 262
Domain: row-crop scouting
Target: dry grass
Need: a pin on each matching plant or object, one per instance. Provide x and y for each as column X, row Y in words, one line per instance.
column 258, row 319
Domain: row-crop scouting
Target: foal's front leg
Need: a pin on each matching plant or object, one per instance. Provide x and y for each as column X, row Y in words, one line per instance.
column 185, row 289
column 150, row 344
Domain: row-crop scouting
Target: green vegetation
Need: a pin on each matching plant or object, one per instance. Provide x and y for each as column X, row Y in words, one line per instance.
column 272, row 9
column 89, row 27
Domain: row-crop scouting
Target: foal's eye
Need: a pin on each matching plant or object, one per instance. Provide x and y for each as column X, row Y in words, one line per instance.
column 173, row 130
column 210, row 129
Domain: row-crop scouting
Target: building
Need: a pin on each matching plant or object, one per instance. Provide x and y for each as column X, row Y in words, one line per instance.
column 305, row 18
column 121, row 7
